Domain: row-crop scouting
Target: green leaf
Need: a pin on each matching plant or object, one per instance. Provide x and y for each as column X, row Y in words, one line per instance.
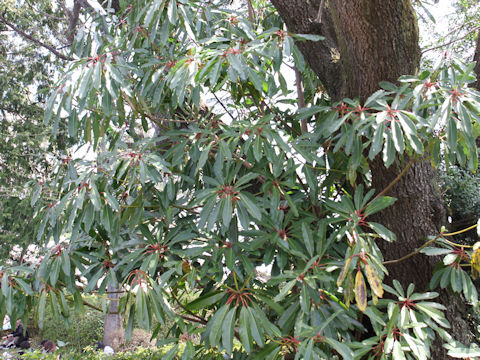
column 382, row 231
column 250, row 204
column 205, row 301
column 397, row 136
column 341, row 348
column 228, row 330
column 379, row 204
column 431, row 251
column 95, row 198
column 308, row 239
column 398, row 353
column 304, row 113
column 256, row 80
column 227, row 212
column 244, row 330
column 377, row 142
column 112, row 201
column 285, row 290
column 424, row 296
column 309, row 37
column 217, row 322
column 255, row 328
column 459, row 351
column 452, row 134
column 41, row 309
column 172, row 12
column 24, row 286
column 433, row 313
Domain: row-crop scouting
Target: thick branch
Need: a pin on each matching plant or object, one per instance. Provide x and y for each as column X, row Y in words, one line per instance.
column 365, row 42
column 32, row 39
column 73, row 21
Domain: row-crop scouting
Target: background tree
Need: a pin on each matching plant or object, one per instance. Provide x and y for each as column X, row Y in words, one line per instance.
column 26, row 73
column 182, row 220
column 35, row 40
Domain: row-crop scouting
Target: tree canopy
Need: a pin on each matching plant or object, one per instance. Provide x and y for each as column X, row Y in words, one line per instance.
column 237, row 207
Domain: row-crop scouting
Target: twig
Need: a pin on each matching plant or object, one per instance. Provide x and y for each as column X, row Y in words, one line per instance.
column 199, row 318
column 301, row 98
column 223, row 106
column 184, row 317
column 452, row 41
column 441, row 236
column 412, row 253
column 32, row 39
column 92, row 306
column 461, row 231
column 251, row 13
column 397, row 179
column 318, row 19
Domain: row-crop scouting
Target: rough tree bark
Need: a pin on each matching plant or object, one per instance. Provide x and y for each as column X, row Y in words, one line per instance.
column 368, row 41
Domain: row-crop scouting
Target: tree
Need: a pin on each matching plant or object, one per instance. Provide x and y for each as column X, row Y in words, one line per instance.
column 367, row 57
column 184, row 205
column 24, row 71
column 33, row 35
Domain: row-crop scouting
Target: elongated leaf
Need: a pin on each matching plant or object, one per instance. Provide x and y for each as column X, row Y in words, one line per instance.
column 344, row 272
column 360, row 291
column 216, row 326
column 250, row 204
column 341, row 348
column 41, row 309
column 382, row 231
column 244, row 330
column 374, row 280
column 285, row 290
column 308, row 239
column 379, row 204
column 205, row 301
column 255, row 328
column 228, row 330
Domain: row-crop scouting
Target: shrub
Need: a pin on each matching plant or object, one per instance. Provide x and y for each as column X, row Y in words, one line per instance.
column 83, row 329
column 90, row 354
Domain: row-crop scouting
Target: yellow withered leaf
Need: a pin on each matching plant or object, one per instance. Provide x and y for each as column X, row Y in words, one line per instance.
column 360, row 291
column 374, row 280
column 475, row 263
column 344, row 272
column 348, row 294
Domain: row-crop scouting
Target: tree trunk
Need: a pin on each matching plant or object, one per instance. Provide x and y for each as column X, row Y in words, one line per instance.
column 112, row 327
column 368, row 41
column 476, row 58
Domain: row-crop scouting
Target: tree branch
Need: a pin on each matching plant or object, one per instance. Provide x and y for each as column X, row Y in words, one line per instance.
column 251, row 13
column 73, row 21
column 318, row 19
column 476, row 58
column 92, row 306
column 195, row 318
column 396, row 180
column 301, row 98
column 32, row 39
column 452, row 41
column 412, row 253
